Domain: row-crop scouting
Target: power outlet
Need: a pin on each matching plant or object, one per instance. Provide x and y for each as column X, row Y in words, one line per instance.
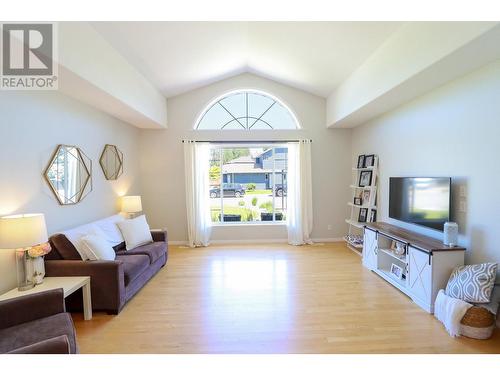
column 329, row 227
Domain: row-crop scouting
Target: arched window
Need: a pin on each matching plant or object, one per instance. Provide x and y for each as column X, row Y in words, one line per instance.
column 247, row 110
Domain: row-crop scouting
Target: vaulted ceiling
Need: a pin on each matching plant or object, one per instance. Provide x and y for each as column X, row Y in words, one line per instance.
column 180, row 56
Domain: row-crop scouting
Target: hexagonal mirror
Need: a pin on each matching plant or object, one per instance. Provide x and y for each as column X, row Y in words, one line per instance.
column 69, row 174
column 111, row 162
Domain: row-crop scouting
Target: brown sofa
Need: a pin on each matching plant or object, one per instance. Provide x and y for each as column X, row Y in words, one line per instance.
column 113, row 283
column 37, row 324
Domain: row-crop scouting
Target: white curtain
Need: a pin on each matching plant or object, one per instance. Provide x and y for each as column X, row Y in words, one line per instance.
column 196, row 159
column 299, row 199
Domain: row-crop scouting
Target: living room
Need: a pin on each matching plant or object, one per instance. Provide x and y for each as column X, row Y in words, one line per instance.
column 249, row 186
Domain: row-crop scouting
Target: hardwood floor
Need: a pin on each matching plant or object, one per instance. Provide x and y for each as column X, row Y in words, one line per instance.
column 270, row 299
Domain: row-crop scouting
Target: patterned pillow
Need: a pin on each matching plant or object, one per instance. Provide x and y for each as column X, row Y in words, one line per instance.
column 472, row 283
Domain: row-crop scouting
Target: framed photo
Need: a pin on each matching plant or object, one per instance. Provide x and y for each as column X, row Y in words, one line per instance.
column 366, row 197
column 363, row 213
column 365, row 178
column 369, row 161
column 361, row 161
column 397, row 271
column 357, row 201
column 373, row 216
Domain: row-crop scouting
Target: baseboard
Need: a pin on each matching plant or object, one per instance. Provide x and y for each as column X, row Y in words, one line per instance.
column 256, row 241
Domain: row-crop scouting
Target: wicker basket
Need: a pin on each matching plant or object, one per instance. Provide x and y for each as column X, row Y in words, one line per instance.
column 477, row 323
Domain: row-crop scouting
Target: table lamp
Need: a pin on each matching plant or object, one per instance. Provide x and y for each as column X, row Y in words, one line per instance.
column 131, row 204
column 21, row 232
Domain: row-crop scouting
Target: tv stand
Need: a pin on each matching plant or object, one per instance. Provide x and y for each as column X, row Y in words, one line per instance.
column 421, row 271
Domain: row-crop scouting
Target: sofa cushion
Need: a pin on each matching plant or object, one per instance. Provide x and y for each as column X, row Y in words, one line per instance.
column 133, row 266
column 153, row 250
column 38, row 330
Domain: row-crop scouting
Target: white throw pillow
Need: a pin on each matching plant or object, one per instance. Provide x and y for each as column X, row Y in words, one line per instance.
column 136, row 232
column 109, row 229
column 97, row 247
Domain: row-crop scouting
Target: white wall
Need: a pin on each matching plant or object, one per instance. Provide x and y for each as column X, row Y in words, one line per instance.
column 451, row 131
column 112, row 85
column 417, row 58
column 162, row 162
column 32, row 125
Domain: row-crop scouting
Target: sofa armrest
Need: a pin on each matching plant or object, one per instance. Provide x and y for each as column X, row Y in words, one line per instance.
column 107, row 280
column 159, row 235
column 55, row 345
column 31, row 307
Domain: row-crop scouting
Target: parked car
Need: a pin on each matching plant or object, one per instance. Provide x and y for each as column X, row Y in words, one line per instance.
column 280, row 190
column 230, row 190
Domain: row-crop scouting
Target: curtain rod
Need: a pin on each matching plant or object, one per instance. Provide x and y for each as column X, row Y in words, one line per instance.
column 255, row 142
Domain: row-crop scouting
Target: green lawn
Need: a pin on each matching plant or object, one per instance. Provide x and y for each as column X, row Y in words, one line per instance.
column 259, row 191
column 246, row 213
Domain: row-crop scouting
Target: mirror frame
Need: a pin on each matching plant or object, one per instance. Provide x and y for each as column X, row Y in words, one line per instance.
column 87, row 164
column 117, row 173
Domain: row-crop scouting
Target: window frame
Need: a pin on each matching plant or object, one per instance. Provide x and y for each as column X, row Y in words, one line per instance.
column 219, row 98
column 264, row 145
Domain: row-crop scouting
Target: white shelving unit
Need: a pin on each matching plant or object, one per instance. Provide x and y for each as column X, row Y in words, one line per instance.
column 356, row 227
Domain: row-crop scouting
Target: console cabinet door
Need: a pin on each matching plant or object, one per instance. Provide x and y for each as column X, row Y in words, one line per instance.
column 420, row 277
column 370, row 249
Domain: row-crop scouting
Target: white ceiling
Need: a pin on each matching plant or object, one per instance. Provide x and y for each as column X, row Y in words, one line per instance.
column 180, row 56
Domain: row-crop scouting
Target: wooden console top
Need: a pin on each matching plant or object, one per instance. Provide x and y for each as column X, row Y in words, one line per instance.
column 427, row 244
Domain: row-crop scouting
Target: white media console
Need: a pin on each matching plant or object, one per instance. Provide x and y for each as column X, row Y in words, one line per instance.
column 421, row 271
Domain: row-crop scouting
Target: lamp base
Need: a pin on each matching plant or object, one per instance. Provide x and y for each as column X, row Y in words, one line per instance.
column 22, row 288
column 24, row 265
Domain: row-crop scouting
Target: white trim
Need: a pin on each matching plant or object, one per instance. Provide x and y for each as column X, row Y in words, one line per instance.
column 257, row 241
column 257, row 91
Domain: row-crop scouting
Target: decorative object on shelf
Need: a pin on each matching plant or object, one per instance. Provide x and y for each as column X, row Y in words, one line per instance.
column 397, row 271
column 22, row 232
column 37, row 253
column 69, row 174
column 450, row 234
column 398, row 248
column 363, row 213
column 365, row 178
column 373, row 215
column 357, row 201
column 131, row 205
column 361, row 161
column 111, row 162
column 366, row 197
column 369, row 161
column 355, row 240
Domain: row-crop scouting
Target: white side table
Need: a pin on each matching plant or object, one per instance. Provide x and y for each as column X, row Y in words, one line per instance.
column 69, row 284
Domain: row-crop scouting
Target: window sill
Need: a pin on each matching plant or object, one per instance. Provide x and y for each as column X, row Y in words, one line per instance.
column 254, row 224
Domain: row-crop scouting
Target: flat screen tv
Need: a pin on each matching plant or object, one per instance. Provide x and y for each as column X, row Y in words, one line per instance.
column 420, row 200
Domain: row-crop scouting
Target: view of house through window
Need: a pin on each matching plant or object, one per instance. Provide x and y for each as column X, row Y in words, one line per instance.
column 248, row 184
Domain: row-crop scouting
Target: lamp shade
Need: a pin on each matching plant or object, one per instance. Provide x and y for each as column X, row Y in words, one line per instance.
column 131, row 203
column 20, row 231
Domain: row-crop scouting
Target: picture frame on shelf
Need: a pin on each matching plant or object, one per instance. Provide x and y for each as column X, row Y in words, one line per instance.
column 361, row 161
column 373, row 215
column 365, row 178
column 358, row 201
column 369, row 161
column 366, row 194
column 363, row 213
column 397, row 271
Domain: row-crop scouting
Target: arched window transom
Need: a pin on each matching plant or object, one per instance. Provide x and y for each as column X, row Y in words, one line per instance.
column 247, row 110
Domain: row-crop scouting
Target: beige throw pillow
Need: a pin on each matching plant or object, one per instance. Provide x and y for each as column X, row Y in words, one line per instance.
column 136, row 232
